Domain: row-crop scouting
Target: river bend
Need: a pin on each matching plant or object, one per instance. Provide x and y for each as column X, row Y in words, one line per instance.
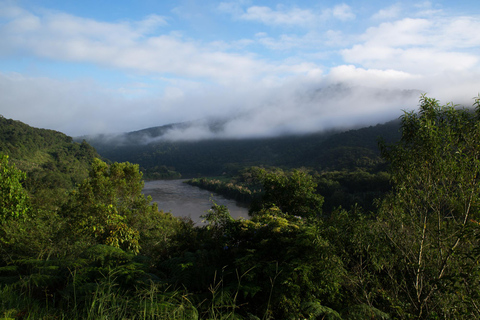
column 184, row 200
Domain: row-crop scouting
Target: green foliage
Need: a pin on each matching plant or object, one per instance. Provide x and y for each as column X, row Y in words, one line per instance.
column 427, row 220
column 37, row 236
column 13, row 197
column 103, row 283
column 106, row 206
column 109, row 208
column 270, row 265
column 160, row 172
column 292, row 192
column 352, row 188
column 231, row 189
column 53, row 163
column 367, row 259
column 290, row 263
column 104, row 251
column 157, row 230
column 339, row 188
column 218, row 216
column 323, row 151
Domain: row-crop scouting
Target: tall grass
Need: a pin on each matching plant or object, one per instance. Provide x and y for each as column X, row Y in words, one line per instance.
column 107, row 300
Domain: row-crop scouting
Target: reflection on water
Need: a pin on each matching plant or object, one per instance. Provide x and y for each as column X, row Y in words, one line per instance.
column 184, row 200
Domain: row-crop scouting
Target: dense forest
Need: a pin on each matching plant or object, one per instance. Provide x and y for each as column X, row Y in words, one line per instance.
column 321, row 242
column 52, row 161
column 322, row 151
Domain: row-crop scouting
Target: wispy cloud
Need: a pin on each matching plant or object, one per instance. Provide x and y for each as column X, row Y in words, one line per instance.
column 296, row 69
column 342, row 12
column 419, row 46
column 133, row 46
column 281, row 16
column 287, row 16
column 392, row 12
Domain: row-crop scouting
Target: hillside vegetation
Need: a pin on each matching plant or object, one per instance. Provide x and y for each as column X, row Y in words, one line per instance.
column 107, row 252
column 53, row 162
column 321, row 151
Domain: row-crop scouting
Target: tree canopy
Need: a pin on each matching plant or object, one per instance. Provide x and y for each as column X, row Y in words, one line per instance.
column 107, row 252
column 430, row 218
column 13, row 197
column 292, row 192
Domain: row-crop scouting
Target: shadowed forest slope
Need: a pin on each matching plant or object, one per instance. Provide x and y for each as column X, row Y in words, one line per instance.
column 320, row 151
column 52, row 161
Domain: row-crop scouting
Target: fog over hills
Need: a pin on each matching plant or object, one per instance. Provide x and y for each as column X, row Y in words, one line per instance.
column 161, row 158
column 333, row 108
column 254, row 70
column 330, row 128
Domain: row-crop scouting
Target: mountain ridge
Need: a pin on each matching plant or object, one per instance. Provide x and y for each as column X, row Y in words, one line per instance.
column 53, row 161
column 330, row 150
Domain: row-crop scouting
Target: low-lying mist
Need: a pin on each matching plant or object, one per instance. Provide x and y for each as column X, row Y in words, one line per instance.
column 336, row 107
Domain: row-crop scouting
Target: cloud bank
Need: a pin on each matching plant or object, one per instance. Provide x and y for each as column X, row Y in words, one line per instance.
column 298, row 70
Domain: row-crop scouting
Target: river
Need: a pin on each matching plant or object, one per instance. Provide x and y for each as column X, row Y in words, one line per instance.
column 184, row 200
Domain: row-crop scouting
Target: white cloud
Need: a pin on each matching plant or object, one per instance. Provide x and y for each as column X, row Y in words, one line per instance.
column 354, row 76
column 457, row 33
column 389, row 13
column 419, row 46
column 287, row 16
column 448, row 86
column 150, row 24
column 124, row 45
column 289, row 41
column 233, row 8
column 405, row 32
column 414, row 60
column 295, row 105
column 303, row 109
column 312, row 40
column 343, row 12
column 427, row 9
column 190, row 79
column 281, row 16
column 313, row 21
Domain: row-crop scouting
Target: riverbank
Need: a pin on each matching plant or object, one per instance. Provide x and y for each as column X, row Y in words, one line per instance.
column 184, row 200
column 229, row 190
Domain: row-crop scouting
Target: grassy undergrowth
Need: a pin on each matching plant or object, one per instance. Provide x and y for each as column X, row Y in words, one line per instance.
column 106, row 301
column 109, row 299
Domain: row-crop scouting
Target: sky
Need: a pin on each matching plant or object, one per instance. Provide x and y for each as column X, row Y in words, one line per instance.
column 262, row 68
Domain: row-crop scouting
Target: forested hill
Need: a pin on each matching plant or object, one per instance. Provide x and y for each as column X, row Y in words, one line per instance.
column 320, row 151
column 51, row 159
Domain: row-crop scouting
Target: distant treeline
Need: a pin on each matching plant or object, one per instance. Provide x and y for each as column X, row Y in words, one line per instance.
column 193, row 159
column 229, row 189
column 339, row 188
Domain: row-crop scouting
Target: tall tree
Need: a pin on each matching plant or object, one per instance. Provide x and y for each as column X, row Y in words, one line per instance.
column 294, row 192
column 428, row 218
column 13, row 197
column 105, row 207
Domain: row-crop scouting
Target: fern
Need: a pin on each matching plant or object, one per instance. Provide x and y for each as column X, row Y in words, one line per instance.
column 315, row 309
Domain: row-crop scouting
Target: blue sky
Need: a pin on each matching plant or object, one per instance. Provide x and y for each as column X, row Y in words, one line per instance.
column 268, row 67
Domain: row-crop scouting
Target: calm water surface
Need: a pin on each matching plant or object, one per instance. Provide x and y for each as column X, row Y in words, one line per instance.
column 184, row 200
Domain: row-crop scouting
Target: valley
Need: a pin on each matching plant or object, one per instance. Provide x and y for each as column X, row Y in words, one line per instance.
column 340, row 225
